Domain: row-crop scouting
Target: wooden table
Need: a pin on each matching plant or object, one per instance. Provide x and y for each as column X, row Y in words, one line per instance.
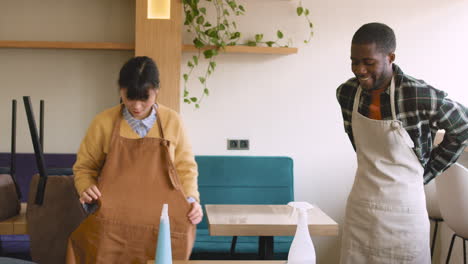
column 225, row 262
column 265, row 221
column 16, row 225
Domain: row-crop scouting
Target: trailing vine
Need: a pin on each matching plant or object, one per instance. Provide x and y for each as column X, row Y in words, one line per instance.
column 211, row 37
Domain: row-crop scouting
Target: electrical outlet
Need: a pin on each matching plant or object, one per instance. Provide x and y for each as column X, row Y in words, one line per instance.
column 244, row 144
column 232, row 144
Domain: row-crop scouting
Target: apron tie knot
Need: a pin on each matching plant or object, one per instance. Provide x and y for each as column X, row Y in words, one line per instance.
column 395, row 125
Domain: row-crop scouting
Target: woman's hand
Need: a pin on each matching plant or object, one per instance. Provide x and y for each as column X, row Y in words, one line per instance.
column 90, row 195
column 196, row 213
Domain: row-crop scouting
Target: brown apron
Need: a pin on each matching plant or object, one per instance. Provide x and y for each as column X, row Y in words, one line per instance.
column 138, row 177
column 53, row 210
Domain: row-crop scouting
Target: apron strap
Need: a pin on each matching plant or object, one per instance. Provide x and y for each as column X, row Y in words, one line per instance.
column 164, row 144
column 158, row 120
column 357, row 97
column 116, row 129
column 174, row 178
column 392, row 98
column 170, row 167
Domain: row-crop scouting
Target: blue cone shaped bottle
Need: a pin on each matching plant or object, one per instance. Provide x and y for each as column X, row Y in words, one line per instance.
column 163, row 250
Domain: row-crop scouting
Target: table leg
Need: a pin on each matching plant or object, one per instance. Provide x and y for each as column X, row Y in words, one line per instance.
column 265, row 247
column 233, row 245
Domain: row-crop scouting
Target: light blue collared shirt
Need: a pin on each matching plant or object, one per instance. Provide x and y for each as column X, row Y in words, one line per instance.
column 143, row 126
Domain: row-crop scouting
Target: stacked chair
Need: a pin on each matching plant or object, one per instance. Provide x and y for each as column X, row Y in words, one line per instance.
column 10, row 193
column 54, row 210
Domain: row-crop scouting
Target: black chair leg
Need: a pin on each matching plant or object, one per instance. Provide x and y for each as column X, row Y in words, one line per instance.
column 261, row 248
column 450, row 249
column 233, row 245
column 434, row 236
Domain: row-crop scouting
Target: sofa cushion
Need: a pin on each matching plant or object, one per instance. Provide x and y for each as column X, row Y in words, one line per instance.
column 244, row 180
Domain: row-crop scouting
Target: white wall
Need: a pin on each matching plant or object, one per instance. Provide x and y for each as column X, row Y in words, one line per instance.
column 75, row 84
column 285, row 105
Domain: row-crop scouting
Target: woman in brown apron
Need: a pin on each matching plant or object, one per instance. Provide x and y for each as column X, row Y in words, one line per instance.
column 135, row 158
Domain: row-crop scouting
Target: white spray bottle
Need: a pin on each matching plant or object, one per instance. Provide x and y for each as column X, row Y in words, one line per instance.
column 163, row 250
column 302, row 249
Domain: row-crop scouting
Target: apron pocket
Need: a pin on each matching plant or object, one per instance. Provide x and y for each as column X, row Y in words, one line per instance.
column 101, row 240
column 387, row 236
column 126, row 243
column 180, row 246
column 112, row 241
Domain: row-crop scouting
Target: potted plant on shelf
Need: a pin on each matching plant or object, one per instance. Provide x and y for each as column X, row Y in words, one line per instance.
column 213, row 36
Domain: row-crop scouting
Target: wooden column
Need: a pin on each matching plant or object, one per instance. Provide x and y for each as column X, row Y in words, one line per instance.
column 161, row 39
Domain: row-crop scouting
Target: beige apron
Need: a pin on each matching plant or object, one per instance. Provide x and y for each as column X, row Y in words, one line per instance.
column 137, row 179
column 386, row 219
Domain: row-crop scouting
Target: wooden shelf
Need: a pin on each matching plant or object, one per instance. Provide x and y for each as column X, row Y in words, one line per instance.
column 66, row 45
column 248, row 49
column 131, row 46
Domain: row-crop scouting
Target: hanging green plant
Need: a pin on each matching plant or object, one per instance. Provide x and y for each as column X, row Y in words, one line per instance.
column 211, row 37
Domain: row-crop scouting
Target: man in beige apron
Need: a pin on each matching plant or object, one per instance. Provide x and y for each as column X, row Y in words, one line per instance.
column 125, row 227
column 386, row 219
column 391, row 119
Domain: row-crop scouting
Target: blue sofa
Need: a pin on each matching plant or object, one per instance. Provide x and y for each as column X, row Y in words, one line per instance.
column 241, row 180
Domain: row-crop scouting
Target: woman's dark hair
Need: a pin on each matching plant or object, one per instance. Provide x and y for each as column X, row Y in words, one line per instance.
column 138, row 75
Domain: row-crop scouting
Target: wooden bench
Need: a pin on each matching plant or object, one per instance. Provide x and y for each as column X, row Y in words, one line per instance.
column 16, row 225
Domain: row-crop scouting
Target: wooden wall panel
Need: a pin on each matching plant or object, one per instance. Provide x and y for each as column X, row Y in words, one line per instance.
column 161, row 39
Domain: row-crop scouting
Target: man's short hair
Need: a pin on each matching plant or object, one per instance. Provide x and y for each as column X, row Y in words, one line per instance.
column 378, row 33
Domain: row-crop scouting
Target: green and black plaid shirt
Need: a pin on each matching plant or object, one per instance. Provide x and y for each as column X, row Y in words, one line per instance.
column 423, row 110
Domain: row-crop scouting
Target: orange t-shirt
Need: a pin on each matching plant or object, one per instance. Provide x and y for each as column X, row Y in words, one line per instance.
column 374, row 107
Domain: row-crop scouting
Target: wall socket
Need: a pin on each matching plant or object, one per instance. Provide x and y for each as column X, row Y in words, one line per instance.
column 232, row 144
column 238, row 144
column 244, row 144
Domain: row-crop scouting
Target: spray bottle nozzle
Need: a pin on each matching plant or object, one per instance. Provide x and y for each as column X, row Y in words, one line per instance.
column 164, row 212
column 300, row 205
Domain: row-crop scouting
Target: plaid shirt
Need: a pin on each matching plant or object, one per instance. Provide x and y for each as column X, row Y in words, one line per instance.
column 423, row 110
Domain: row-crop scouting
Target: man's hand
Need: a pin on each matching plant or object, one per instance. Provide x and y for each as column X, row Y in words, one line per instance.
column 90, row 195
column 196, row 213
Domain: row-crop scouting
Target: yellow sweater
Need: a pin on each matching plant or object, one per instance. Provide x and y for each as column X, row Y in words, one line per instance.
column 95, row 146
